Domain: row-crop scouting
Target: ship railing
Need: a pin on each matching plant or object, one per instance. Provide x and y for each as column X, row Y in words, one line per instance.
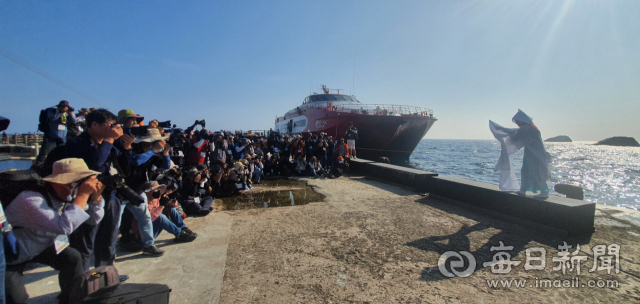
column 372, row 109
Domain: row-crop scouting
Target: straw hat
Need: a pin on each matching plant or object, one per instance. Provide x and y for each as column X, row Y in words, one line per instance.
column 69, row 170
column 152, row 136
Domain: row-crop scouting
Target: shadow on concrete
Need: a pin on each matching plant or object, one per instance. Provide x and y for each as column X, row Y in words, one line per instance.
column 45, row 299
column 34, row 276
column 135, row 256
column 510, row 234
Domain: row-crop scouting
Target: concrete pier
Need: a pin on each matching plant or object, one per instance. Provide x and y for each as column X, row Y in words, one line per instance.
column 368, row 241
column 568, row 216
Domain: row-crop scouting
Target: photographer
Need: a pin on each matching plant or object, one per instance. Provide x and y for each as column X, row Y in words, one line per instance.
column 240, row 148
column 198, row 149
column 311, row 145
column 43, row 220
column 193, row 200
column 96, row 147
column 321, row 151
column 330, row 154
column 238, row 178
column 76, row 128
column 54, row 126
column 220, row 151
column 144, row 156
column 158, row 202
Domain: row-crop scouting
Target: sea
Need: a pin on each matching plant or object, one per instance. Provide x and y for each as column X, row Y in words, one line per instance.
column 609, row 175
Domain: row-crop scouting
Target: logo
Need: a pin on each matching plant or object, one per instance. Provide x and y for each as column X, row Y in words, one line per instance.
column 456, row 263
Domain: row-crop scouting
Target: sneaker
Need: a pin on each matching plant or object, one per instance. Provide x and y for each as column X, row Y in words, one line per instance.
column 189, row 231
column 153, row 251
column 204, row 212
column 521, row 193
column 185, row 237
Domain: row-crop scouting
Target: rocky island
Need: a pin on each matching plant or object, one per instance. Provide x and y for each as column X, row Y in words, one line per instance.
column 560, row 138
column 619, row 141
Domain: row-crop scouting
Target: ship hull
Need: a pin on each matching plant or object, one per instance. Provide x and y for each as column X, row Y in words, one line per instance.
column 394, row 137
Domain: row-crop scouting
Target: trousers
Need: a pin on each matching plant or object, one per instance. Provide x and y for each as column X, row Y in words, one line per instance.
column 172, row 224
column 68, row 262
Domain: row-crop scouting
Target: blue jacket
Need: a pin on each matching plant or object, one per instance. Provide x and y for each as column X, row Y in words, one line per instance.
column 58, row 130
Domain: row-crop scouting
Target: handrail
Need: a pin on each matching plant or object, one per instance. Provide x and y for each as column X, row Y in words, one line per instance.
column 364, row 109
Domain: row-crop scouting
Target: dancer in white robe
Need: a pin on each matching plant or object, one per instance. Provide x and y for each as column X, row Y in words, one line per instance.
column 535, row 163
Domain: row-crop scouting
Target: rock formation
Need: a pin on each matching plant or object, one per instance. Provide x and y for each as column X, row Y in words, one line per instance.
column 561, row 138
column 619, row 141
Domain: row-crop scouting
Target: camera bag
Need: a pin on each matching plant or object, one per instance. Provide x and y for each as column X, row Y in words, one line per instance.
column 132, row 294
column 97, row 281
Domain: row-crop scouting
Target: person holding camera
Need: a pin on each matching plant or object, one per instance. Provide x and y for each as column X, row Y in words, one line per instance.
column 240, row 148
column 321, row 151
column 43, row 221
column 147, row 151
column 194, row 198
column 158, row 202
column 220, row 149
column 54, row 128
column 97, row 147
column 198, row 149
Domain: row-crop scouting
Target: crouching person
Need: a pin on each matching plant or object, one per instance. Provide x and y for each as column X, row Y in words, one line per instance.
column 43, row 219
column 158, row 203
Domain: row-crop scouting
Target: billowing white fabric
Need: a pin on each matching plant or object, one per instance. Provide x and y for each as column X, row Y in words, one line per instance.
column 508, row 180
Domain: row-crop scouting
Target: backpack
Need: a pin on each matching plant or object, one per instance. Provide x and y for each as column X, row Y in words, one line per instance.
column 43, row 121
column 14, row 182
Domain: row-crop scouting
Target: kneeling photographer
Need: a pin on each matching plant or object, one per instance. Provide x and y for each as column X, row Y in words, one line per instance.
column 146, row 151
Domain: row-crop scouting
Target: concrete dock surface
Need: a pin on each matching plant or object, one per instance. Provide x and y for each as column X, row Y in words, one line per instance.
column 372, row 242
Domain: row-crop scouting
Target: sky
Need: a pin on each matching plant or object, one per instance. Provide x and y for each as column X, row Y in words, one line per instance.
column 574, row 66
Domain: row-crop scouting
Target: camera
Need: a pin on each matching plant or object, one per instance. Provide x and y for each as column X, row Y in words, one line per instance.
column 136, row 131
column 122, row 190
column 165, row 124
column 176, row 141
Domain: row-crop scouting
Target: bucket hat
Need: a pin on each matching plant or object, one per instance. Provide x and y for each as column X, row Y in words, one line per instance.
column 69, row 170
column 153, row 135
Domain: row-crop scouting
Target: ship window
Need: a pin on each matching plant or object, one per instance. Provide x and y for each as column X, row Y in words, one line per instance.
column 314, row 98
column 338, row 97
column 320, row 98
column 348, row 98
column 300, row 123
column 330, row 97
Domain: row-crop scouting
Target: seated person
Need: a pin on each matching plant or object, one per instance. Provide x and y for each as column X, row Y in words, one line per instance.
column 341, row 164
column 316, row 167
column 258, row 167
column 192, row 199
column 238, row 177
column 43, row 220
column 158, row 202
column 301, row 165
column 271, row 168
